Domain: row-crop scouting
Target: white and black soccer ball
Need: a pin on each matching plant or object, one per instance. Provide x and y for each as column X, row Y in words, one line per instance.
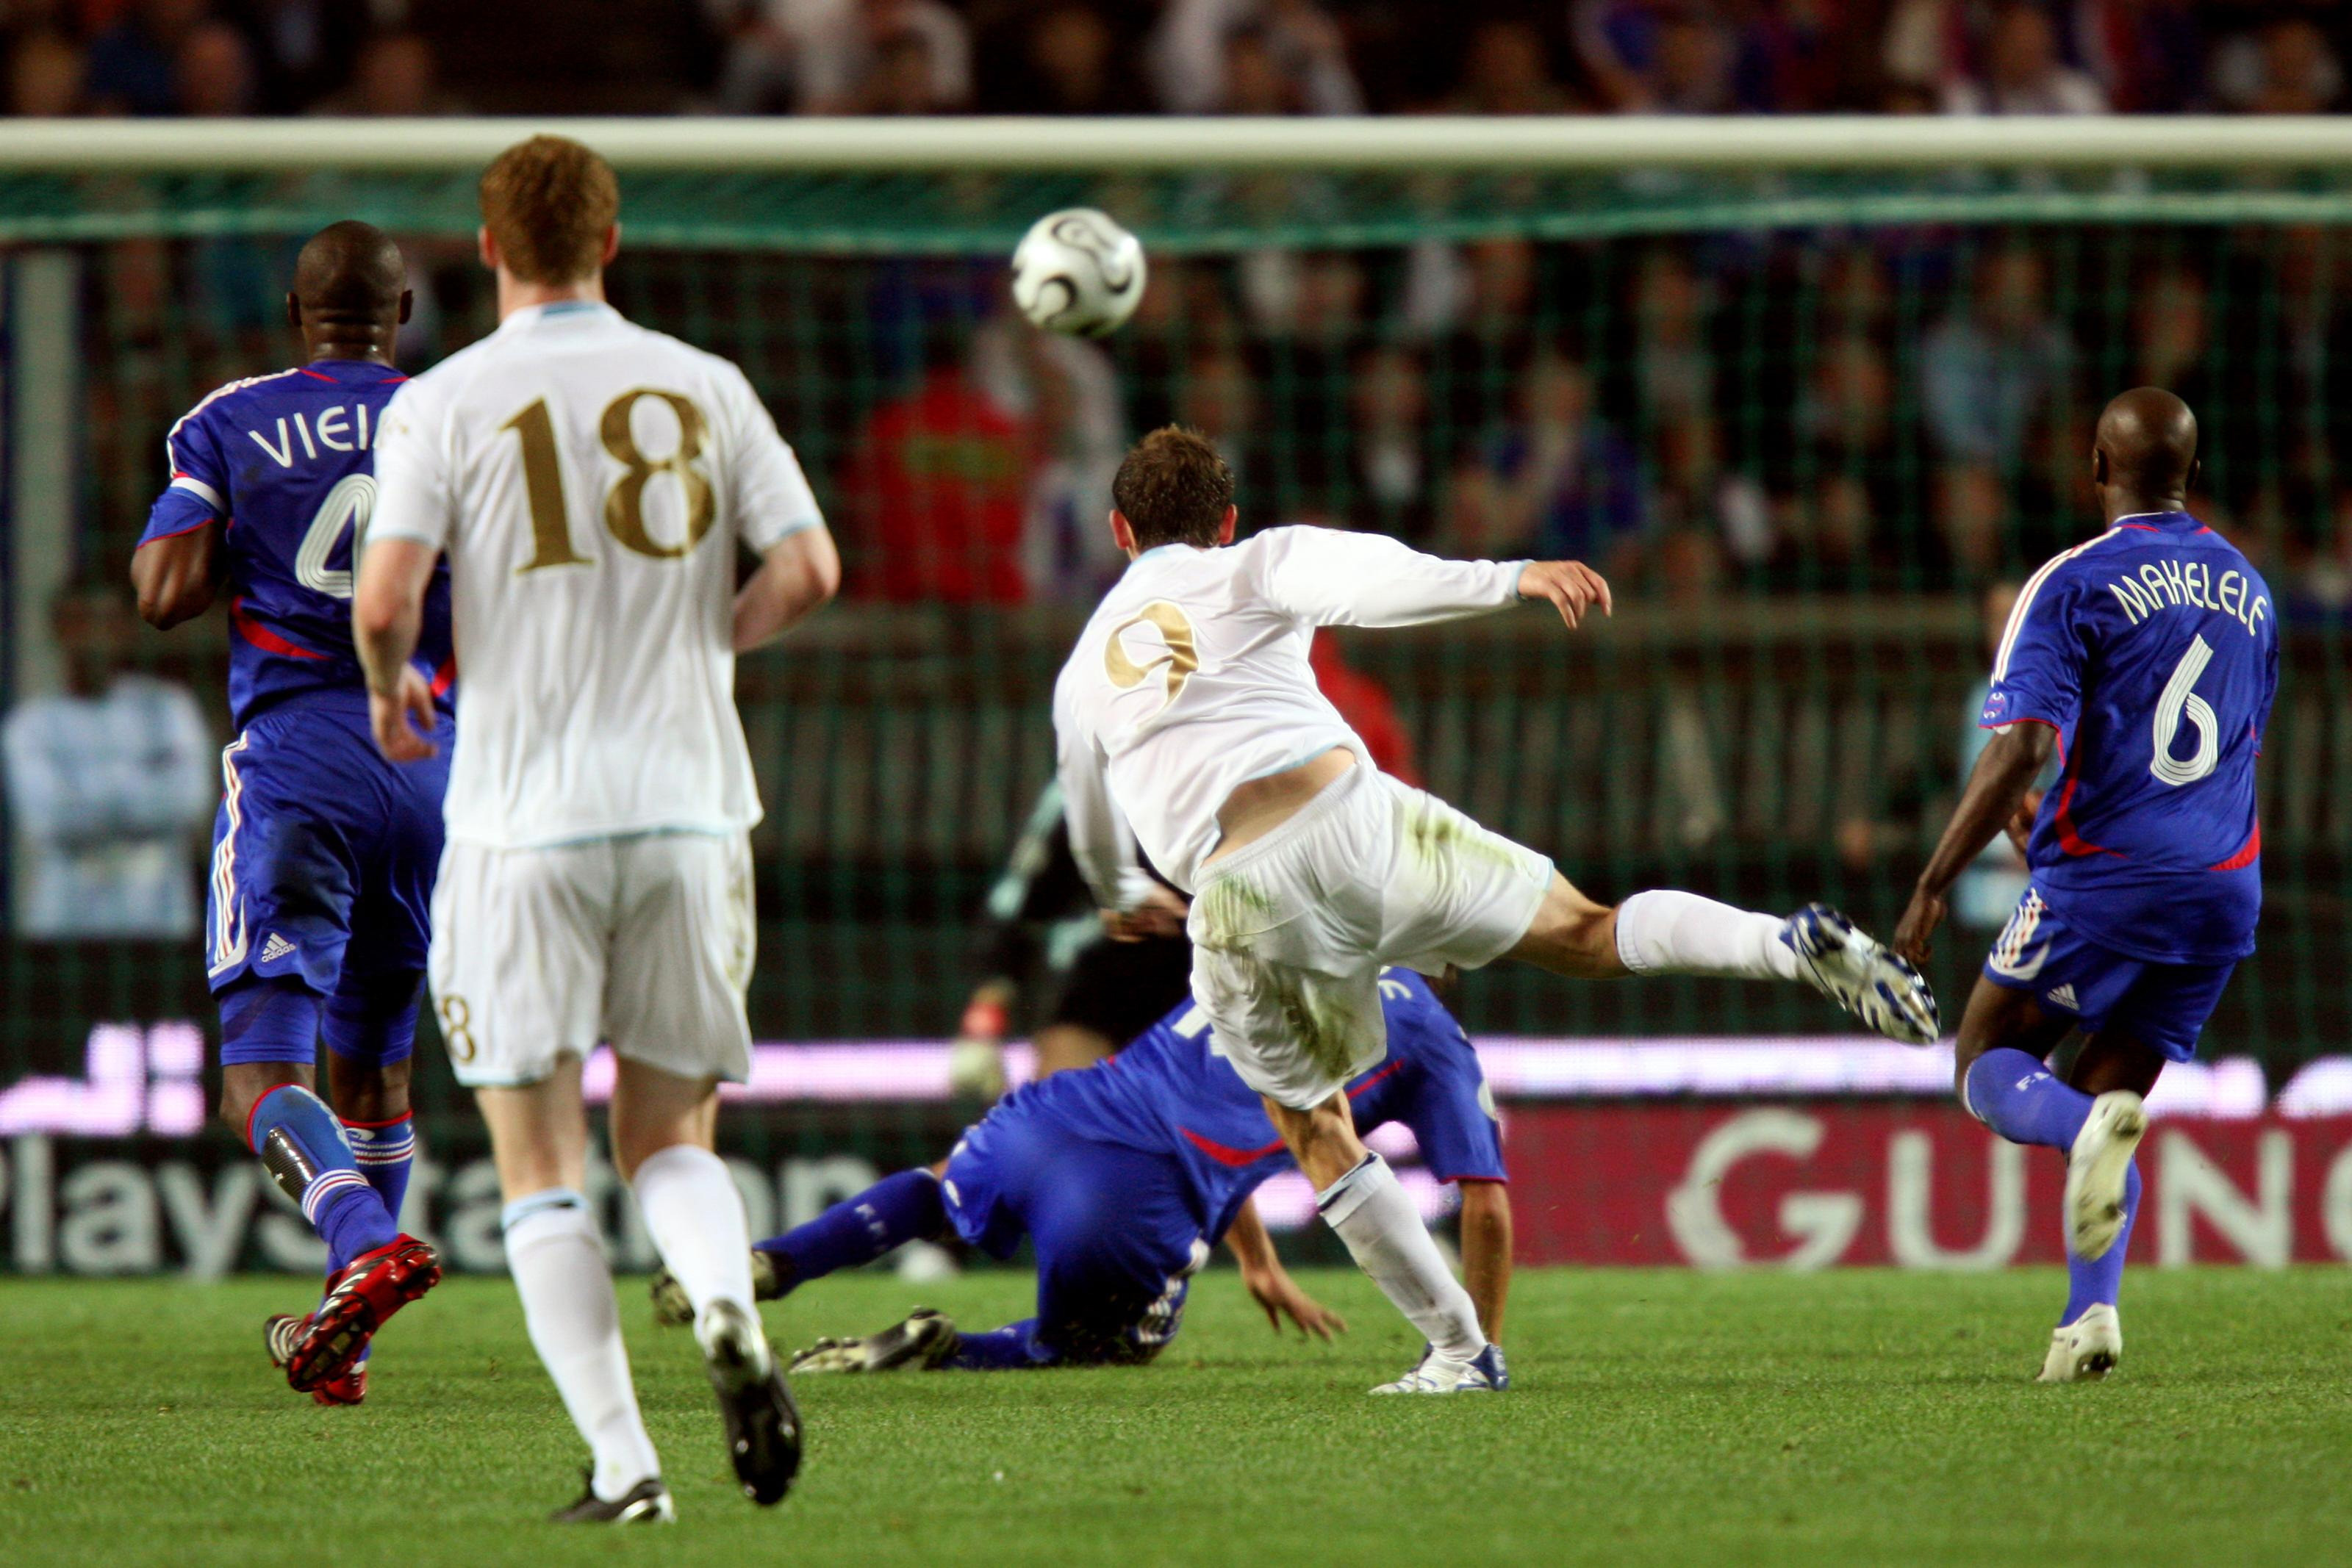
column 1076, row 271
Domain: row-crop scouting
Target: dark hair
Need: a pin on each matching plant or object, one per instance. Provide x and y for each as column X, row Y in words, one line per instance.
column 1174, row 488
column 549, row 202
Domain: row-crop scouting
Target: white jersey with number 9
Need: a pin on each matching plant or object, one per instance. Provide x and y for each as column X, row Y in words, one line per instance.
column 590, row 480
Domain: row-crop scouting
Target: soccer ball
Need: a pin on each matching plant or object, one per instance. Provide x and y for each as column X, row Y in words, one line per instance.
column 1076, row 271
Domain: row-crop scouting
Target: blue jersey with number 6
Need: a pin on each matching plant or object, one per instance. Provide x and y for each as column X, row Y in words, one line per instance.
column 2153, row 652
column 286, row 463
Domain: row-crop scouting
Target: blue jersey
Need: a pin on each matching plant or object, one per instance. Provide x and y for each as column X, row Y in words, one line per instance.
column 1169, row 1094
column 286, row 464
column 2153, row 652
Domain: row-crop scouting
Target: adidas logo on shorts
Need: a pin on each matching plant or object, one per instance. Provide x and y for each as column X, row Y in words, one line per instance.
column 2064, row 997
column 274, row 948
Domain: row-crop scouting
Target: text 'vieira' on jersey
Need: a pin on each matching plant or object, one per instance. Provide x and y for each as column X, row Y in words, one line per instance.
column 2153, row 652
column 286, row 464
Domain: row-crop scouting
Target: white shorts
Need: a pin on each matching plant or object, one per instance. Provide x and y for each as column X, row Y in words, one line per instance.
column 1290, row 932
column 645, row 941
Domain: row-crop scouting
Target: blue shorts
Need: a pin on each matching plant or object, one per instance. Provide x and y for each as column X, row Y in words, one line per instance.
column 1116, row 1237
column 2162, row 1005
column 323, row 855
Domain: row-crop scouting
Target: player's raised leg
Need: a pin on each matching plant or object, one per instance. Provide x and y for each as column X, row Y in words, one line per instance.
column 2096, row 1120
column 370, row 1027
column 269, row 1043
column 1668, row 932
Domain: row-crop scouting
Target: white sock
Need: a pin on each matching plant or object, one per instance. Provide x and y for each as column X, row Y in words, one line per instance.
column 1669, row 933
column 1375, row 1217
column 695, row 1216
column 558, row 1262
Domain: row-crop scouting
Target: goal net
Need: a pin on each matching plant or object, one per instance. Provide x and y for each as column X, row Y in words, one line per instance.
column 1814, row 394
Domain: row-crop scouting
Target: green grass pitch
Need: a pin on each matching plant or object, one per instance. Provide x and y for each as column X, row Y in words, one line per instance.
column 1659, row 1418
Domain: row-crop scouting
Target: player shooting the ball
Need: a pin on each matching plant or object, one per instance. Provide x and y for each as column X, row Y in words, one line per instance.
column 1189, row 722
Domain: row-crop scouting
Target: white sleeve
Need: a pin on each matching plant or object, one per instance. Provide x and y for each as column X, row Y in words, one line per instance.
column 1101, row 839
column 416, row 490
column 771, row 496
column 1328, row 577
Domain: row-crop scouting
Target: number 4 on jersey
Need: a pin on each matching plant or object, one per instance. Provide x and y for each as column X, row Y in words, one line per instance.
column 348, row 506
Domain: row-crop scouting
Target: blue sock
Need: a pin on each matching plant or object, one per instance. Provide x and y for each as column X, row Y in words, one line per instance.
column 2100, row 1279
column 1015, row 1348
column 856, row 1231
column 384, row 1151
column 2015, row 1094
column 301, row 1145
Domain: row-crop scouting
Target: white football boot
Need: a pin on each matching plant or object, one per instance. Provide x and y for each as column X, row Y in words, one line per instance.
column 2086, row 1350
column 1442, row 1374
column 2095, row 1171
column 1863, row 975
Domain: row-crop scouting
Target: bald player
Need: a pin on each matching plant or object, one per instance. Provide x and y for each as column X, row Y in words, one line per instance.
column 324, row 853
column 2146, row 660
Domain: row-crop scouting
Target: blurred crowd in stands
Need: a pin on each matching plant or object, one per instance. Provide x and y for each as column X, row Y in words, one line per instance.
column 1175, row 56
column 1909, row 412
column 1895, row 410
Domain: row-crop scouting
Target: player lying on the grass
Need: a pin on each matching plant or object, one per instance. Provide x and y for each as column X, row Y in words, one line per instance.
column 324, row 853
column 1189, row 722
column 2146, row 659
column 1124, row 1176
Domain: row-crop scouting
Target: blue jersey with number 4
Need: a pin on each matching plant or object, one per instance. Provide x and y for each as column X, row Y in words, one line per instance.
column 2153, row 652
column 286, row 464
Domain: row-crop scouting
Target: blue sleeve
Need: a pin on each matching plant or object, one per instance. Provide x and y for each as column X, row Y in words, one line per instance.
column 2037, row 676
column 1449, row 1109
column 198, row 490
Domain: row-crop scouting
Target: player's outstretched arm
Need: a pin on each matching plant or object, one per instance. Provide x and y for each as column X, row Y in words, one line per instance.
column 1486, row 1251
column 1330, row 578
column 1270, row 1284
column 387, row 613
column 177, row 576
column 797, row 574
column 2005, row 770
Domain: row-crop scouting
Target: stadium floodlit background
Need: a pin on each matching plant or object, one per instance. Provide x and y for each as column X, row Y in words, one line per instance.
column 1809, row 418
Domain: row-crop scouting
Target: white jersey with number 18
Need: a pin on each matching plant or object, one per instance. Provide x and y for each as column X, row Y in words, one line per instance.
column 589, row 479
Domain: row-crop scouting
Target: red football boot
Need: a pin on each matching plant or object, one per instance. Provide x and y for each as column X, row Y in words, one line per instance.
column 283, row 1333
column 361, row 1301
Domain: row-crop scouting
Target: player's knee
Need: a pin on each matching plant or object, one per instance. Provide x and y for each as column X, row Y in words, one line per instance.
column 1571, row 934
column 368, row 1090
column 244, row 1083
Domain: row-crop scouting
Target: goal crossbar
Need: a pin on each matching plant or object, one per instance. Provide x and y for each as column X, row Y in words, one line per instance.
column 1164, row 144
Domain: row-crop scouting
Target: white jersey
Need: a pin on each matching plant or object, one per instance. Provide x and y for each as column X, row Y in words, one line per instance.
column 1191, row 679
column 589, row 479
